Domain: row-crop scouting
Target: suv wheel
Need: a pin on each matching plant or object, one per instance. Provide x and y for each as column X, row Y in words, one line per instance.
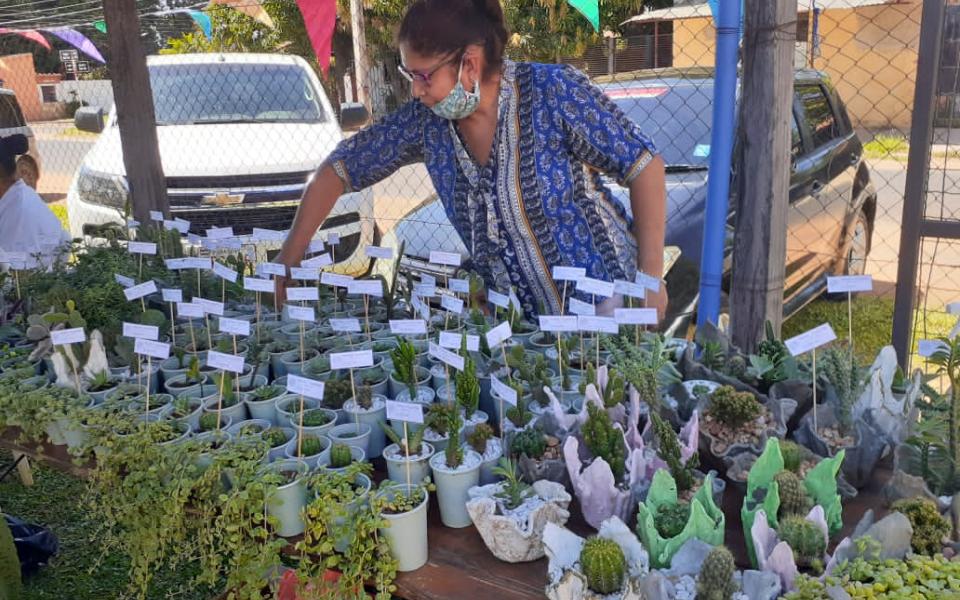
column 859, row 247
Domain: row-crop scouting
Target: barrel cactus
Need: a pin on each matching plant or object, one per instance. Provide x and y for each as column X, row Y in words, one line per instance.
column 793, row 495
column 340, row 456
column 805, row 539
column 715, row 581
column 603, row 563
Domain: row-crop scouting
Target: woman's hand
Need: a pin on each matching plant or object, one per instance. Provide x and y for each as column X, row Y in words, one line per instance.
column 659, row 301
column 280, row 292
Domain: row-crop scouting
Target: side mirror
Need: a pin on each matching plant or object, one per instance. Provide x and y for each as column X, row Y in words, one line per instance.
column 89, row 119
column 353, row 115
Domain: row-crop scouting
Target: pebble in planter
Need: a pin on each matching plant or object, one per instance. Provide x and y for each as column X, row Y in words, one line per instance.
column 733, row 422
column 405, row 509
column 402, row 461
column 482, row 441
column 609, row 566
column 511, row 516
column 455, row 472
column 539, row 456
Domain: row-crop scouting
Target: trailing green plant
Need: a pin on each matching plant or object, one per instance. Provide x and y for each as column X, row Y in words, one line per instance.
column 513, row 491
column 929, row 526
column 478, row 438
column 414, row 438
column 531, row 443
column 715, row 581
column 669, row 451
column 604, row 565
column 672, row 518
column 340, row 456
column 840, row 368
column 604, row 440
column 732, row 408
column 793, row 496
column 405, row 365
column 806, row 540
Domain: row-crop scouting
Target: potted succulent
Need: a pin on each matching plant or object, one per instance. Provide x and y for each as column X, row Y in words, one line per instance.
column 287, row 495
column 369, row 409
column 468, row 394
column 277, row 438
column 407, row 457
column 190, row 382
column 276, row 350
column 356, row 435
column 512, row 515
column 519, row 417
column 373, row 377
column 249, row 428
column 225, row 398
column 289, row 405
column 341, row 456
column 455, row 472
column 261, row 402
column 733, row 422
column 336, row 391
column 208, row 422
column 539, row 456
column 439, row 423
column 404, row 507
column 482, row 441
column 310, row 448
column 407, row 373
column 99, row 386
column 316, row 421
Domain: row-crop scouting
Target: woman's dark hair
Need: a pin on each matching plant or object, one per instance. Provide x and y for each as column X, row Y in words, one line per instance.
column 440, row 27
column 10, row 148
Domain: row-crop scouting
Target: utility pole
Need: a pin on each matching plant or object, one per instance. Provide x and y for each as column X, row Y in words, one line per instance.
column 135, row 111
column 762, row 201
column 360, row 62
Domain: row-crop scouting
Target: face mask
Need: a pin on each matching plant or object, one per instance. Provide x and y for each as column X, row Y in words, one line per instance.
column 459, row 103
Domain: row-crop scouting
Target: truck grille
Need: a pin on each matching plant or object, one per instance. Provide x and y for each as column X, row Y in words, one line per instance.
column 243, row 220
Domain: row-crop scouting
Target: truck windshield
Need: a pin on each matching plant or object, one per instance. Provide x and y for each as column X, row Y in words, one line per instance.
column 189, row 94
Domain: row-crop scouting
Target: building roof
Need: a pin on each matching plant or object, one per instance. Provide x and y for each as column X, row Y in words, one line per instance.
column 702, row 9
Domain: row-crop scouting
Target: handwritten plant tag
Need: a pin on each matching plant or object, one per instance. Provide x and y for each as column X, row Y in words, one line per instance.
column 629, row 288
column 497, row 299
column 345, row 325
column 305, row 274
column 225, row 362
column 316, row 246
column 63, row 337
column 648, row 281
column 351, row 360
column 379, row 252
column 303, row 294
column 411, row 412
column 127, row 282
column 459, row 286
column 445, row 258
column 599, row 324
column 252, row 284
column 176, row 264
column 595, row 287
column 584, row 309
column 301, row 313
column 219, row 233
column 189, row 310
column 267, row 235
column 408, row 327
column 499, row 334
column 151, row 348
column 635, row 316
column 203, row 263
column 448, row 339
column 273, row 269
column 156, row 215
column 141, row 248
column 451, row 304
column 303, row 386
column 172, row 295
column 234, row 326
column 317, row 262
column 569, row 273
column 210, row 307
column 145, row 332
column 139, row 291
column 849, row 283
column 810, row 340
column 503, row 391
column 224, row 272
column 336, row 279
column 421, row 307
column 445, row 356
column 558, row 323
column 366, row 287
column 333, row 239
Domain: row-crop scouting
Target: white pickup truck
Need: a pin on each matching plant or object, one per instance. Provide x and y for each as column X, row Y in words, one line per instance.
column 240, row 135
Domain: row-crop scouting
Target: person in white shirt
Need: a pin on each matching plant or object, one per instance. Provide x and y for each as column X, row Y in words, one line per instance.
column 29, row 231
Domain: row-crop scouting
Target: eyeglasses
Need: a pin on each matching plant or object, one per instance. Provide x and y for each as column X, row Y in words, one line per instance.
column 424, row 76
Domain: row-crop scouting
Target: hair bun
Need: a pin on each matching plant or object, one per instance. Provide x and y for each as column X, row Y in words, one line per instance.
column 492, row 8
column 14, row 145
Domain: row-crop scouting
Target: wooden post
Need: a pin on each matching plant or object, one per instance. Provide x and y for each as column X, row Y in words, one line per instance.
column 361, row 64
column 135, row 110
column 762, row 198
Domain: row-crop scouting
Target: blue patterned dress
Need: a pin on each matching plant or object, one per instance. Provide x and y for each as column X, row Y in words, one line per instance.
column 539, row 201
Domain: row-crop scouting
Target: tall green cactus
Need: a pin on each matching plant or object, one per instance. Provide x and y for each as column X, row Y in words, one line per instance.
column 340, row 456
column 603, row 563
column 604, row 440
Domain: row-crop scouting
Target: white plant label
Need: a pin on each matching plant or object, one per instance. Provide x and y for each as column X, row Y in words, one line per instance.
column 558, row 324
column 301, row 313
column 210, row 307
column 156, row 215
column 68, row 336
column 584, row 309
column 194, row 239
column 629, row 288
column 497, row 299
column 595, row 287
column 234, row 326
column 459, row 286
column 225, row 362
column 176, row 264
column 139, row 291
column 504, row 391
column 366, row 287
column 142, row 248
column 445, row 258
column 303, row 294
column 190, row 310
column 336, row 279
column 252, row 284
column 953, row 308
column 448, row 339
column 318, row 262
column 422, row 308
column 127, row 282
column 219, row 233
column 599, row 324
column 451, row 304
column 411, row 412
column 132, row 223
column 379, row 252
column 648, row 281
column 499, row 334
column 345, row 325
column 515, row 301
column 927, row 348
column 273, row 269
column 305, row 273
column 144, row 332
column 202, row 263
column 569, row 273
column 181, row 225
column 635, row 316
column 445, row 356
column 849, row 283
column 151, row 348
column 408, row 327
column 267, row 235
column 172, row 295
column 427, row 279
column 425, row 290
column 225, row 272
column 302, row 386
column 314, row 246
column 811, row 340
column 333, row 239
column 351, row 360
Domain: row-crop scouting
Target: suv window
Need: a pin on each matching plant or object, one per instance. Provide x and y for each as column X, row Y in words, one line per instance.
column 796, row 142
column 818, row 114
column 10, row 115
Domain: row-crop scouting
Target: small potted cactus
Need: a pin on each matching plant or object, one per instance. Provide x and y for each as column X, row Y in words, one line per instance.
column 342, row 456
column 369, row 409
column 455, row 472
column 482, row 441
column 715, row 581
column 407, row 457
column 539, row 456
column 311, row 449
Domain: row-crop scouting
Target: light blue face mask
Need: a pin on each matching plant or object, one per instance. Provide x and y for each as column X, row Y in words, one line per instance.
column 459, row 103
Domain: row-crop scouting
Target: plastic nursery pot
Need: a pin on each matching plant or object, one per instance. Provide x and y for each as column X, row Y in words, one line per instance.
column 375, row 417
column 452, row 486
column 397, row 463
column 396, row 386
column 287, row 501
column 375, row 377
column 362, row 485
column 491, row 456
column 177, row 385
column 248, row 383
column 172, row 367
column 356, row 456
column 265, row 408
column 355, row 435
column 277, row 448
column 407, row 533
column 237, row 411
column 249, row 428
column 159, row 404
column 98, row 396
column 425, row 396
column 311, row 416
column 188, row 410
column 289, row 405
column 313, row 460
column 291, row 360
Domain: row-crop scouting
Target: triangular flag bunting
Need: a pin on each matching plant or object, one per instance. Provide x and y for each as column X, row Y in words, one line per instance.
column 100, row 25
column 589, row 9
column 320, row 20
column 30, row 34
column 251, row 8
column 78, row 41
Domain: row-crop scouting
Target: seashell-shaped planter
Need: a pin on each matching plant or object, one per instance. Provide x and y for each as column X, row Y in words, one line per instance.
column 517, row 535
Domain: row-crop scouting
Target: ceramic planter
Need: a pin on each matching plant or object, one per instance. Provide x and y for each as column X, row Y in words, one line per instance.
column 375, row 417
column 407, row 533
column 396, row 387
column 314, row 461
column 265, row 409
column 286, row 502
column 355, row 435
column 517, row 535
column 453, row 485
column 294, row 421
column 397, row 463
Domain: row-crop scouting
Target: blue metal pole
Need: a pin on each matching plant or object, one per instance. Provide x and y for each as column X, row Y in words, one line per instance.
column 721, row 151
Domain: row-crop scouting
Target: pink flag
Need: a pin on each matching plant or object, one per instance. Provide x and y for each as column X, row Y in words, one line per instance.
column 30, row 34
column 320, row 19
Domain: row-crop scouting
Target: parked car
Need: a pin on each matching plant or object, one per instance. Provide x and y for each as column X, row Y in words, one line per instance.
column 12, row 122
column 239, row 137
column 832, row 200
